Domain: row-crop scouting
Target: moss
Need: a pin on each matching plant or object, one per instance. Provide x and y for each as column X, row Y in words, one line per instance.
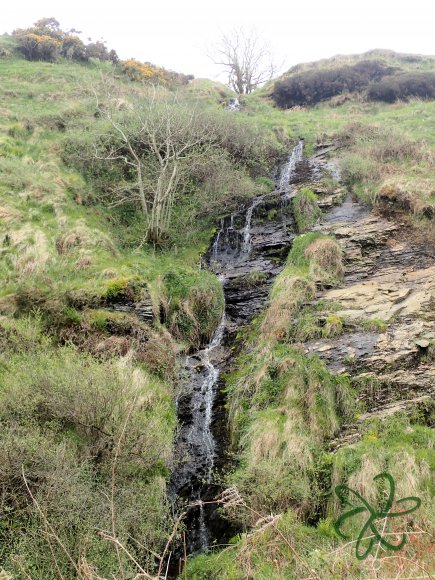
column 116, row 287
column 374, row 324
column 333, row 326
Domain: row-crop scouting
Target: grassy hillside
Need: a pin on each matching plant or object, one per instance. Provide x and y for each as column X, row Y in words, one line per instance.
column 88, row 412
column 87, row 390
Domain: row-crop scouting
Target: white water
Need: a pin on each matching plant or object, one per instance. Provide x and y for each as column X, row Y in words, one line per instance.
column 288, row 170
column 246, row 244
column 234, row 105
column 202, row 402
column 215, row 247
column 200, row 433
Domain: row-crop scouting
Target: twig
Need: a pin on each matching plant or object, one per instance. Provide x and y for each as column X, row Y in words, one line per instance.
column 47, row 523
column 124, row 549
column 113, row 486
column 168, row 543
column 185, row 555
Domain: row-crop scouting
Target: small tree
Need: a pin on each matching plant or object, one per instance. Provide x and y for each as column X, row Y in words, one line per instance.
column 246, row 59
column 156, row 139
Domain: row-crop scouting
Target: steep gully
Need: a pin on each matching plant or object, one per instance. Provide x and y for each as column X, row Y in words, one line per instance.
column 389, row 276
column 246, row 253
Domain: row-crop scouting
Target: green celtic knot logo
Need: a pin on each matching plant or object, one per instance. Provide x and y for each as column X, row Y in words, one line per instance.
column 371, row 523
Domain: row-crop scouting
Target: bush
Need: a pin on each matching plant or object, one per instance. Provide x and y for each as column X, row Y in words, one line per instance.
column 311, row 87
column 150, row 73
column 39, row 46
column 63, row 414
column 403, row 87
column 46, row 41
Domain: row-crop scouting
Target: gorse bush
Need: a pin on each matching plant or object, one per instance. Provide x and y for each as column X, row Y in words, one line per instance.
column 45, row 40
column 150, row 73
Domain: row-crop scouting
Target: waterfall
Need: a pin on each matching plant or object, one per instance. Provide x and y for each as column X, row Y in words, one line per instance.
column 234, row 105
column 231, row 254
column 246, row 245
column 215, row 247
column 197, row 437
column 200, row 434
column 288, row 169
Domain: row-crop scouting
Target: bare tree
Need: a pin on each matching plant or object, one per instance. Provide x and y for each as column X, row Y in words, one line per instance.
column 246, row 59
column 156, row 139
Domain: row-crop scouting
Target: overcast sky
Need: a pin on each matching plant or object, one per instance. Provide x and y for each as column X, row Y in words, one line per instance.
column 176, row 33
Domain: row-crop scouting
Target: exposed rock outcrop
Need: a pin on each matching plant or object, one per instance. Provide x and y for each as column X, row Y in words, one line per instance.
column 388, row 299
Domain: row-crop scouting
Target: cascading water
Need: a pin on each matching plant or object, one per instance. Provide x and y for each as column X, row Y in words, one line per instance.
column 234, row 105
column 240, row 247
column 246, row 244
column 289, row 167
column 196, row 436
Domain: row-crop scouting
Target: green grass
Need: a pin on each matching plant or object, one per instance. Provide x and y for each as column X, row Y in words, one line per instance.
column 63, row 413
column 284, row 545
column 66, row 257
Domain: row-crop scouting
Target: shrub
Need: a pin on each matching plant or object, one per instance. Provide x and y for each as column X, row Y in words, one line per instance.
column 311, row 87
column 46, row 41
column 403, row 87
column 63, row 414
column 150, row 73
column 39, row 46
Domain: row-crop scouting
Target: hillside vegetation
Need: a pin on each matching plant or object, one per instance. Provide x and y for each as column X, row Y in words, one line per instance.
column 375, row 76
column 98, row 307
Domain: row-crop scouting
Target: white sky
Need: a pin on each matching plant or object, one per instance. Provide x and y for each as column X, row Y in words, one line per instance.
column 175, row 33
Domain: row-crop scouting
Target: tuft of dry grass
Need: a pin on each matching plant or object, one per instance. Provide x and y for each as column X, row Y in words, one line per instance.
column 82, row 237
column 291, row 292
column 30, row 250
column 325, row 258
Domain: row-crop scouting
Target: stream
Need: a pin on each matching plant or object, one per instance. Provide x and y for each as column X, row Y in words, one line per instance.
column 247, row 253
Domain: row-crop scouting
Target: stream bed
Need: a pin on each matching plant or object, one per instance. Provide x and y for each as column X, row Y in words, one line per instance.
column 247, row 253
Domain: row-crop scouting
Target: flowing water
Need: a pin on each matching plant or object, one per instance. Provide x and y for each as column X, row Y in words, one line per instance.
column 248, row 242
column 289, row 167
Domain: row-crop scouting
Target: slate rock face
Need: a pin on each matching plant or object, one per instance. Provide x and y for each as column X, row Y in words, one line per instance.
column 390, row 281
column 247, row 253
